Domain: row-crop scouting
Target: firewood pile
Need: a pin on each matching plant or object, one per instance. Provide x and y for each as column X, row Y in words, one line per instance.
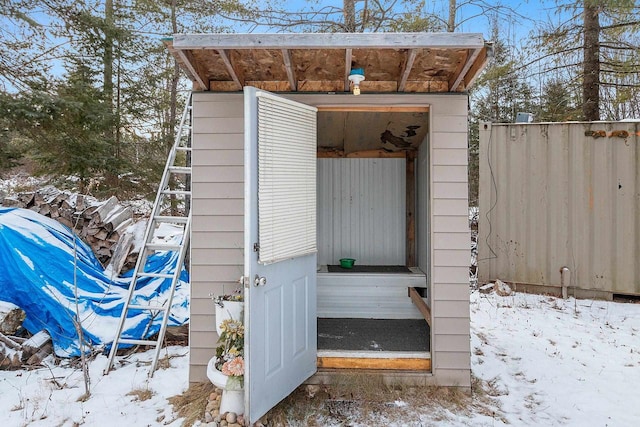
column 17, row 352
column 100, row 224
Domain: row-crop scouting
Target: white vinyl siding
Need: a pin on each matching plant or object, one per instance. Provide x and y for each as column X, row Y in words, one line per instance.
column 361, row 211
column 218, row 210
column 286, row 179
column 446, row 160
column 450, row 242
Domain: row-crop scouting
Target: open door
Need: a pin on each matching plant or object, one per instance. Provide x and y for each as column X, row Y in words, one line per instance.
column 280, row 248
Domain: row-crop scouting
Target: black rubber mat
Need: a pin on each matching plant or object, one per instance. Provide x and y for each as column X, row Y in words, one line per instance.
column 373, row 334
column 369, row 269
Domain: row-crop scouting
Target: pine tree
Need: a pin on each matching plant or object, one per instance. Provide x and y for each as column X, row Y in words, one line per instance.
column 64, row 125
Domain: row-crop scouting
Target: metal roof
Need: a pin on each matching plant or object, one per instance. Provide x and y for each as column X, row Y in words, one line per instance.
column 392, row 62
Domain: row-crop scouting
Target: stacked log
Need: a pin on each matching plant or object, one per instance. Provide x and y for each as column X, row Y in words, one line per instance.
column 16, row 352
column 11, row 318
column 99, row 224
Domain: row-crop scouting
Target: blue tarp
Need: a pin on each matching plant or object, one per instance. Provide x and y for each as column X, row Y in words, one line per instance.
column 38, row 272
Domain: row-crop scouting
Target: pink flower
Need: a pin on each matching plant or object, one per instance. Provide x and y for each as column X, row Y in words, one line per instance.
column 234, row 367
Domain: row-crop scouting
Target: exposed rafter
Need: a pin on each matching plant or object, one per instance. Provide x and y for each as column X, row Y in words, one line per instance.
column 286, row 57
column 347, row 68
column 187, row 60
column 470, row 61
column 407, row 69
column 394, row 62
column 227, row 63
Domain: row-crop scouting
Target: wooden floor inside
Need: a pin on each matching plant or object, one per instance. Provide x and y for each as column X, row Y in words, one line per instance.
column 400, row 344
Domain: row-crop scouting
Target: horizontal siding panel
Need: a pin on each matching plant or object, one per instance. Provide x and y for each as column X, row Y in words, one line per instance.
column 451, row 224
column 219, row 190
column 203, row 97
column 452, row 325
column 452, row 343
column 218, row 223
column 217, row 257
column 205, row 323
column 449, row 174
column 451, row 240
column 219, row 126
column 200, row 355
column 451, row 275
column 454, row 105
column 208, row 173
column 204, row 289
column 450, row 190
column 204, row 307
column 218, row 158
column 233, row 141
column 450, row 140
column 453, row 292
column 217, row 207
column 450, row 156
column 206, row 338
column 197, row 373
column 452, row 257
column 216, row 239
column 453, row 377
column 450, row 124
column 219, row 109
column 452, row 360
column 221, row 273
column 459, row 309
column 449, row 207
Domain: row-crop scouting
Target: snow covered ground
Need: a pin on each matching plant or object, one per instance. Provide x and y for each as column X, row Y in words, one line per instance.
column 543, row 361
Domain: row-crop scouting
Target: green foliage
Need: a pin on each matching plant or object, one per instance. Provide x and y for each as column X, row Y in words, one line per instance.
column 10, row 153
column 65, row 125
column 558, row 49
column 498, row 95
column 557, row 102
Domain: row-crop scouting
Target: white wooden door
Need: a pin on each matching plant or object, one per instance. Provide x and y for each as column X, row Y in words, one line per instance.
column 280, row 248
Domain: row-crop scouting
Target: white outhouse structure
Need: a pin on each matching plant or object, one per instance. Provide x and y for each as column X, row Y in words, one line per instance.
column 292, row 172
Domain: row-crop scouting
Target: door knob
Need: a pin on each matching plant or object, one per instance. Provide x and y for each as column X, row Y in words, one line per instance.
column 260, row 281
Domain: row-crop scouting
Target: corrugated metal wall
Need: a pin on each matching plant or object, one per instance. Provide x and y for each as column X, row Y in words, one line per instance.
column 562, row 194
column 361, row 211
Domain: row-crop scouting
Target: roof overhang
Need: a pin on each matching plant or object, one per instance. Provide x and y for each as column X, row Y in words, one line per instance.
column 321, row 62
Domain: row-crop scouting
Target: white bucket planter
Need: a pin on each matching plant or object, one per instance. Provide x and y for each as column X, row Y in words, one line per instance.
column 231, row 310
column 231, row 400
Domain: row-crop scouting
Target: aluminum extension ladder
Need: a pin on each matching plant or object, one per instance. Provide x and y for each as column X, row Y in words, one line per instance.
column 171, row 192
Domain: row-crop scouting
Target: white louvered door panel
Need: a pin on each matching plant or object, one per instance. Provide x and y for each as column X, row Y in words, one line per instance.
column 286, row 178
column 280, row 223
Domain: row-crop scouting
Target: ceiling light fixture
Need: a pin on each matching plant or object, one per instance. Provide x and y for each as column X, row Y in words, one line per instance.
column 356, row 76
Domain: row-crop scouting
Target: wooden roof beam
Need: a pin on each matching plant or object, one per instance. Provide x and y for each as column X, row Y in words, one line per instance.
column 461, row 76
column 190, row 64
column 288, row 65
column 407, row 69
column 227, row 63
column 330, row 40
column 347, row 68
column 479, row 65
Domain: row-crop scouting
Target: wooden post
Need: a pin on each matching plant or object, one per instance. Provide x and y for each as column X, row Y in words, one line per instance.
column 411, row 208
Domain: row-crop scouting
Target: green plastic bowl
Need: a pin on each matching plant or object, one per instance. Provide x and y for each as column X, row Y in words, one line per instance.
column 347, row 262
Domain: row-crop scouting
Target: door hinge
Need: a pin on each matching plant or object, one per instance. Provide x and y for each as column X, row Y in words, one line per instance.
column 244, row 281
column 256, row 247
